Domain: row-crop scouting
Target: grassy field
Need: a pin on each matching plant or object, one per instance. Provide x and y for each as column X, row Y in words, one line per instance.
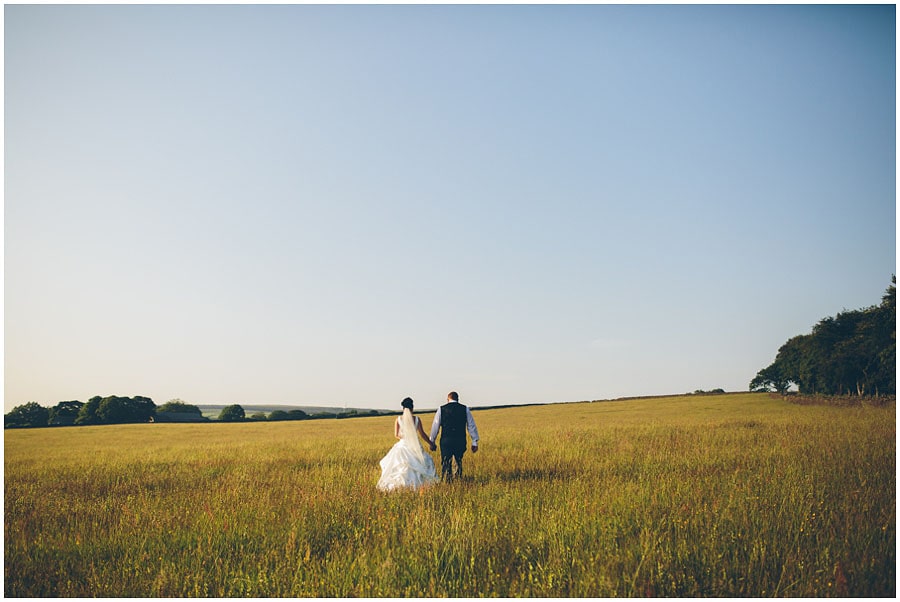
column 735, row 495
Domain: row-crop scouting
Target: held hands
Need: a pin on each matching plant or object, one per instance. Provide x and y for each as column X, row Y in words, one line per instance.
column 433, row 446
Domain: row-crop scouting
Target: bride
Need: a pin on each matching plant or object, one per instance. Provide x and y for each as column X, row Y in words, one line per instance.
column 407, row 464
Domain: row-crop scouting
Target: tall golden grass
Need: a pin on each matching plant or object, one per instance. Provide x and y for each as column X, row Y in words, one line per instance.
column 735, row 495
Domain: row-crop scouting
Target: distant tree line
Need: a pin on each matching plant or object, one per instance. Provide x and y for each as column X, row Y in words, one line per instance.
column 289, row 415
column 98, row 410
column 853, row 353
column 124, row 410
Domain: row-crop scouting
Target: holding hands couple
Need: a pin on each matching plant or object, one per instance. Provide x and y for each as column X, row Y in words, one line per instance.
column 407, row 464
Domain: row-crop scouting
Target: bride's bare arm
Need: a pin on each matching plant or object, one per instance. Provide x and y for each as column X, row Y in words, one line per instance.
column 397, row 428
column 425, row 437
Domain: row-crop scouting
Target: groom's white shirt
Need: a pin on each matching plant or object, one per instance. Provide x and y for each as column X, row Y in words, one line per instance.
column 470, row 424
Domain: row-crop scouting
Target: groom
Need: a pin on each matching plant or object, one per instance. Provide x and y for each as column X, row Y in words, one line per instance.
column 453, row 419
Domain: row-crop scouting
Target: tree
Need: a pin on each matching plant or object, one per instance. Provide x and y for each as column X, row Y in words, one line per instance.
column 852, row 353
column 142, row 408
column 112, row 410
column 116, row 410
column 232, row 413
column 30, row 414
column 119, row 410
column 886, row 320
column 65, row 413
column 770, row 379
column 258, row 416
column 88, row 413
column 179, row 407
column 289, row 415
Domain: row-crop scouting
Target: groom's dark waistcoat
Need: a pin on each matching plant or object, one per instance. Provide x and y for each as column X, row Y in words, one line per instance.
column 453, row 420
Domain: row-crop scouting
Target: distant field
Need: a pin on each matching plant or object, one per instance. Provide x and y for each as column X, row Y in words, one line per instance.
column 212, row 411
column 730, row 495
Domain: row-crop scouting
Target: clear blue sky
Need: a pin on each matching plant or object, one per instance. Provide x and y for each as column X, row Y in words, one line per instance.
column 347, row 205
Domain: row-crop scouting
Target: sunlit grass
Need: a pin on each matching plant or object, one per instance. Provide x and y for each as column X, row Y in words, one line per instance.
column 738, row 495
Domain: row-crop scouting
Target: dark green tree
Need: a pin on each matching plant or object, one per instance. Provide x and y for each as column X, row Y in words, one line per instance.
column 30, row 414
column 116, row 410
column 88, row 413
column 297, row 415
column 770, row 379
column 886, row 333
column 852, row 353
column 278, row 415
column 142, row 408
column 119, row 410
column 65, row 413
column 112, row 410
column 232, row 413
column 179, row 407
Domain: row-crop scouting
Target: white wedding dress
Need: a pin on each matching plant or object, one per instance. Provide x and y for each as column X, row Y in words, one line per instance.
column 406, row 464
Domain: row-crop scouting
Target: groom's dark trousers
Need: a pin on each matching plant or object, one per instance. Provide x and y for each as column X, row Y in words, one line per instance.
column 453, row 438
column 451, row 449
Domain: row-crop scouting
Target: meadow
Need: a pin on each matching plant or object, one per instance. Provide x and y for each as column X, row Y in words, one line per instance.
column 729, row 495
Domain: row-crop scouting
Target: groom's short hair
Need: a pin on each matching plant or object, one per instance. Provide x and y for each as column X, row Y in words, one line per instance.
column 453, row 395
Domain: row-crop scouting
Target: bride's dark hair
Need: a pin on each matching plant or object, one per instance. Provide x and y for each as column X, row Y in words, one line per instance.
column 407, row 403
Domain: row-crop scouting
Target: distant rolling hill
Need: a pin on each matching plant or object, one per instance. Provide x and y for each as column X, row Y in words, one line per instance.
column 213, row 410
